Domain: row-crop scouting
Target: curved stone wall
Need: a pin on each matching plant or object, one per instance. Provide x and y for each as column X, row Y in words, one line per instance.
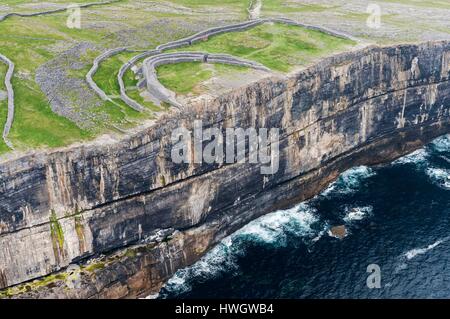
column 105, row 55
column 27, row 15
column 357, row 108
column 161, row 93
column 123, row 91
column 10, row 92
column 202, row 36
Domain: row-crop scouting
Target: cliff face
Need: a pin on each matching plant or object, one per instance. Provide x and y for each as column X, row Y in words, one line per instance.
column 67, row 206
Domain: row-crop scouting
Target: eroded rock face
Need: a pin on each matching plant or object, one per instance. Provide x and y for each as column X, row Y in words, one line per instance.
column 356, row 108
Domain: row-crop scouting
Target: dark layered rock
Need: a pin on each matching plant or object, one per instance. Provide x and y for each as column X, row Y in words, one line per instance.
column 72, row 205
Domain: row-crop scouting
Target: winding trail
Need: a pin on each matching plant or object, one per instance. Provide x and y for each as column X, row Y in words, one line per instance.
column 188, row 41
column 10, row 92
column 34, row 14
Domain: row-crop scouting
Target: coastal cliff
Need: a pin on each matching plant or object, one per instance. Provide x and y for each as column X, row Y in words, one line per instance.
column 129, row 217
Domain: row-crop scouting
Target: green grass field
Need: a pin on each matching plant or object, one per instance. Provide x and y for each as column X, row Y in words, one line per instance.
column 30, row 42
column 184, row 78
column 106, row 79
column 27, row 45
column 33, row 41
column 271, row 6
column 279, row 47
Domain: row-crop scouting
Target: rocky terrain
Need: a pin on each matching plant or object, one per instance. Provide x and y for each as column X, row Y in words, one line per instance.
column 36, row 39
column 53, row 79
column 127, row 200
column 115, row 217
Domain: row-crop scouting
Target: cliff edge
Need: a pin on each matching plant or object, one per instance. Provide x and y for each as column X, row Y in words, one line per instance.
column 128, row 217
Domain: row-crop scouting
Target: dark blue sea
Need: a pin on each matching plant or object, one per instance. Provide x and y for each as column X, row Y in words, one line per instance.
column 397, row 217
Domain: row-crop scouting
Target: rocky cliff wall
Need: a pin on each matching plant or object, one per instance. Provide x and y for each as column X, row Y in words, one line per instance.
column 68, row 206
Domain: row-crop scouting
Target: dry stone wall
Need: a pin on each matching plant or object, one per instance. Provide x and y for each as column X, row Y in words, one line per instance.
column 70, row 205
column 161, row 93
column 10, row 93
column 200, row 36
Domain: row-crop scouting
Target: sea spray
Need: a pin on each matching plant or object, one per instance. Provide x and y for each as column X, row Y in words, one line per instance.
column 349, row 181
column 271, row 229
column 357, row 213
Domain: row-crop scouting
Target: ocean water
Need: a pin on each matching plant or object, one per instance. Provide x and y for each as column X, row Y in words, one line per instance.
column 397, row 216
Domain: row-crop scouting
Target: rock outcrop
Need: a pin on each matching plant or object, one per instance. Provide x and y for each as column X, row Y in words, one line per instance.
column 149, row 216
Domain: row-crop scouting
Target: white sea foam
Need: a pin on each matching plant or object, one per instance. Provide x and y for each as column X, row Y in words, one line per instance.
column 220, row 258
column 441, row 144
column 445, row 158
column 421, row 156
column 413, row 253
column 320, row 234
column 417, row 157
column 272, row 228
column 349, row 181
column 401, row 266
column 410, row 254
column 357, row 213
column 277, row 227
column 439, row 176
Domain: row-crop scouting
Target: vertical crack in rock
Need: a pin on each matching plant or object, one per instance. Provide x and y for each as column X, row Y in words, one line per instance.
column 128, row 200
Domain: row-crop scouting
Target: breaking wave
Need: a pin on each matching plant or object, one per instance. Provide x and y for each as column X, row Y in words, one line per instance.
column 427, row 160
column 220, row 258
column 441, row 144
column 410, row 254
column 357, row 213
column 439, row 176
column 271, row 229
column 349, row 181
column 417, row 157
column 422, row 156
column 287, row 232
column 413, row 253
column 274, row 227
